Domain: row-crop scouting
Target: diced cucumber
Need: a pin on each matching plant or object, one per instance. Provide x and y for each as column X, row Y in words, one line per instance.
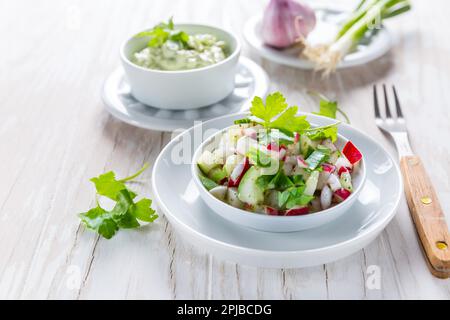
column 217, row 174
column 307, row 146
column 206, row 162
column 346, row 181
column 311, row 183
column 334, row 156
column 233, row 199
column 207, row 183
column 249, row 191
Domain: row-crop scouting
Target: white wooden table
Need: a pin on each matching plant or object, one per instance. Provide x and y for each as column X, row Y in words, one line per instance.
column 55, row 134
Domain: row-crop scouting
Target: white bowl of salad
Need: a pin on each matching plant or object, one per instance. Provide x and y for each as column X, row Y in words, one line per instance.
column 181, row 66
column 275, row 171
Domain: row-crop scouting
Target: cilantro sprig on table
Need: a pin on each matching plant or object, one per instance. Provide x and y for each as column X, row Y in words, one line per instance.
column 162, row 32
column 126, row 212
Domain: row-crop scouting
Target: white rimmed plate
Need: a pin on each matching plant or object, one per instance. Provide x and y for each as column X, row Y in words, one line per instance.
column 251, row 80
column 179, row 199
column 326, row 28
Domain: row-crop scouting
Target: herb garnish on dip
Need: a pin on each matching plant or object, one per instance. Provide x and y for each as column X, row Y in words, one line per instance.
column 171, row 49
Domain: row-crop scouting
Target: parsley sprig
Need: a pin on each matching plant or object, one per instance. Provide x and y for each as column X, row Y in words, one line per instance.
column 276, row 114
column 125, row 214
column 163, row 32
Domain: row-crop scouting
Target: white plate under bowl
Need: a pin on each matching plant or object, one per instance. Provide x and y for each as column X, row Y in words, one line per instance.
column 251, row 80
column 178, row 198
column 326, row 28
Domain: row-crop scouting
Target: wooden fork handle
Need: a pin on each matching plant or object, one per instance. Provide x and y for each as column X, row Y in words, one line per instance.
column 427, row 215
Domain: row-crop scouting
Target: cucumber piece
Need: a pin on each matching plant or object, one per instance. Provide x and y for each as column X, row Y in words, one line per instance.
column 217, row 174
column 206, row 162
column 307, row 146
column 207, row 183
column 346, row 181
column 311, row 183
column 232, row 198
column 249, row 191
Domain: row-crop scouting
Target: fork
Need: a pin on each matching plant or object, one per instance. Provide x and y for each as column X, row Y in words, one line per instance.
column 422, row 200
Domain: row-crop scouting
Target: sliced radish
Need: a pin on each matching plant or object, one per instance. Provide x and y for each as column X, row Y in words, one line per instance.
column 343, row 170
column 341, row 194
column 301, row 162
column 342, row 161
column 334, row 182
column 219, row 192
column 291, row 160
column 315, row 204
column 244, row 144
column 296, row 137
column 271, row 211
column 250, row 132
column 288, row 168
column 238, row 172
column 323, row 178
column 352, row 153
column 325, row 197
column 273, row 146
column 328, row 167
column 329, row 144
column 297, row 211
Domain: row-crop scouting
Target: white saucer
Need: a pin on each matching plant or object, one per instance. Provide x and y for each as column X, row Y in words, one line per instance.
column 251, row 80
column 178, row 198
column 327, row 21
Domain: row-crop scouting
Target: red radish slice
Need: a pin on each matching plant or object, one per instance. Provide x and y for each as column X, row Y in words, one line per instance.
column 273, row 146
column 341, row 194
column 296, row 137
column 342, row 161
column 238, row 172
column 334, row 182
column 352, row 153
column 297, row 211
column 250, row 132
column 328, row 167
column 343, row 170
column 271, row 211
column 301, row 162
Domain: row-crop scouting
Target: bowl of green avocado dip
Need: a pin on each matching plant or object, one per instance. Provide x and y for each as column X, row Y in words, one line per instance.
column 181, row 66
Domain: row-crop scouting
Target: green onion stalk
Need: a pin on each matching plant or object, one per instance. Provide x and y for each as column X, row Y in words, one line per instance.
column 366, row 15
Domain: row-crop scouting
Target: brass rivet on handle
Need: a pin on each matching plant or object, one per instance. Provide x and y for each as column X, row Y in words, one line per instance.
column 441, row 245
column 426, row 200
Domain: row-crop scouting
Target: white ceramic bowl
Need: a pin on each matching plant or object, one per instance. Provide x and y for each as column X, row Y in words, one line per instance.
column 185, row 89
column 276, row 223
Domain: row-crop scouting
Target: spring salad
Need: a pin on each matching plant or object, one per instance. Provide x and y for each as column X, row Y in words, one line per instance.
column 171, row 49
column 275, row 163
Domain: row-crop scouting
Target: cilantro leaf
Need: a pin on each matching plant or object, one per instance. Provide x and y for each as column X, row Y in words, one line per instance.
column 288, row 121
column 101, row 221
column 292, row 197
column 329, row 108
column 125, row 213
column 275, row 114
column 143, row 211
column 325, row 132
column 275, row 104
column 280, row 181
column 107, row 185
column 163, row 32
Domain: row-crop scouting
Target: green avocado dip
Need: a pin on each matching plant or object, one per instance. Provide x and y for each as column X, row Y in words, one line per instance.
column 172, row 50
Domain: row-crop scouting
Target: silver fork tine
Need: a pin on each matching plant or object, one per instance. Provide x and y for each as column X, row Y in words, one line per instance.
column 375, row 102
column 386, row 102
column 397, row 104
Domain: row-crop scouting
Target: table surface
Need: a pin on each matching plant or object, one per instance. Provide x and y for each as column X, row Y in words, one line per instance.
column 56, row 134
